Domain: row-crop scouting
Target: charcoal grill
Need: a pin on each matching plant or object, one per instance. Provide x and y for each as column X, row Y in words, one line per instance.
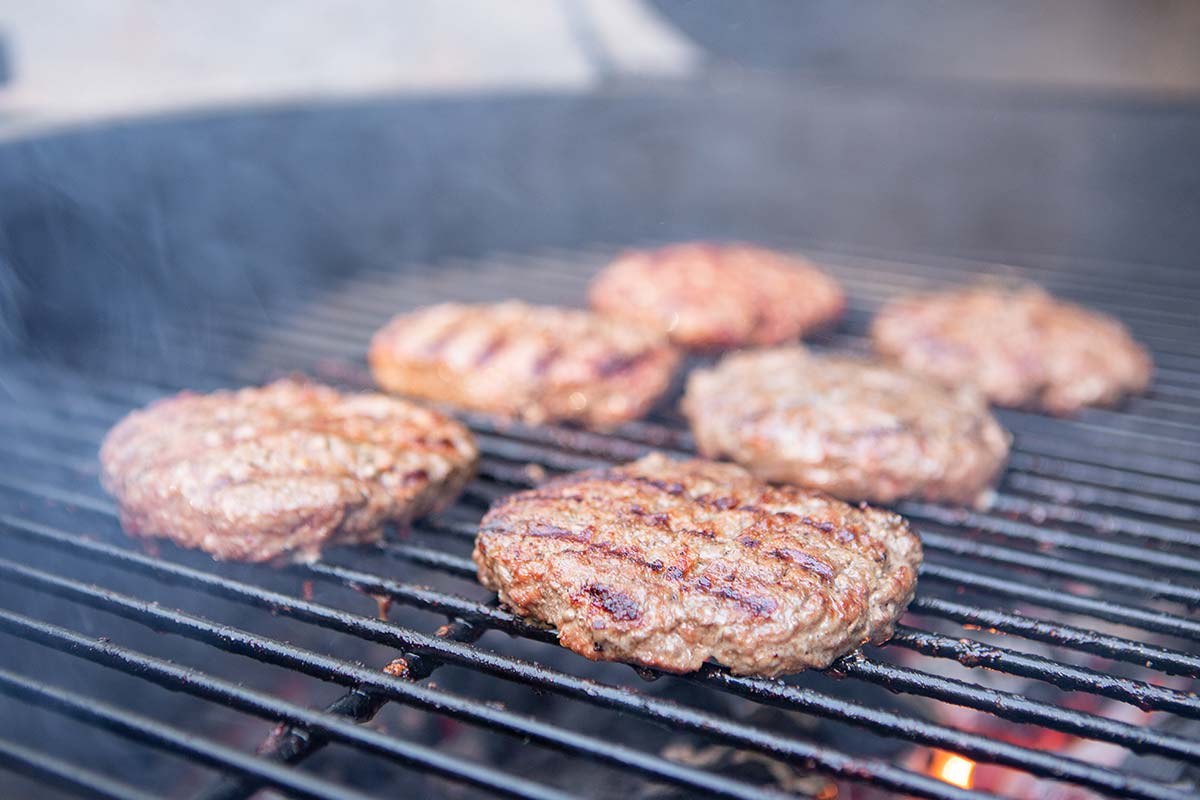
column 1078, row 586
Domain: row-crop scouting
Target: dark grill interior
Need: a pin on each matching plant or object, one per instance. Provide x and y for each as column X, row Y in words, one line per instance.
column 1062, row 616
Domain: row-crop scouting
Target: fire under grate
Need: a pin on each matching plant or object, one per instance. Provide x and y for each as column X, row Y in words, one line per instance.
column 1053, row 639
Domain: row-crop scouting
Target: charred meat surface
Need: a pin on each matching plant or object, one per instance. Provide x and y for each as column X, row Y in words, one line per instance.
column 669, row 564
column 857, row 429
column 281, row 471
column 716, row 296
column 1021, row 347
column 533, row 363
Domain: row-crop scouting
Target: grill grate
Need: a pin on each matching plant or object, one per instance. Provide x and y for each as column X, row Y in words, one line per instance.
column 1095, row 526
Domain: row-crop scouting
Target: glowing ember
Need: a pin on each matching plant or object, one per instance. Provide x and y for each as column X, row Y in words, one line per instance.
column 953, row 769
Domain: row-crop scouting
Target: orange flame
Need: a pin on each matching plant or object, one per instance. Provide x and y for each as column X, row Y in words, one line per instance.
column 952, row 768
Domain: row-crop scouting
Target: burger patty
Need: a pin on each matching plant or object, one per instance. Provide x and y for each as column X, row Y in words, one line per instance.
column 668, row 564
column 534, row 363
column 1020, row 347
column 715, row 296
column 856, row 429
column 278, row 472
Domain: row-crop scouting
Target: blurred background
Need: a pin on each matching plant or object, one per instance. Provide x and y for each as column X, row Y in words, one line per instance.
column 155, row 155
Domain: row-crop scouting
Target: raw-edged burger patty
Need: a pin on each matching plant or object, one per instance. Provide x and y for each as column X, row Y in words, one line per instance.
column 533, row 363
column 669, row 564
column 279, row 472
column 857, row 429
column 1020, row 347
column 716, row 296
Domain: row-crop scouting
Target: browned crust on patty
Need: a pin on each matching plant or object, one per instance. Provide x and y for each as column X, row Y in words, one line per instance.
column 534, row 363
column 1021, row 347
column 669, row 564
column 857, row 429
column 715, row 296
column 278, row 472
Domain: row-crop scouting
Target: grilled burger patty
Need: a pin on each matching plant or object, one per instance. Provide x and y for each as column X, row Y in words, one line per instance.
column 668, row 564
column 856, row 429
column 279, row 472
column 1020, row 347
column 535, row 363
column 713, row 296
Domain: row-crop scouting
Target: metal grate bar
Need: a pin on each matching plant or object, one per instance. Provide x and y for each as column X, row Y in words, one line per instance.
column 297, row 742
column 768, row 691
column 1172, row 662
column 1049, row 488
column 1058, row 634
column 1011, row 529
column 149, row 731
column 966, row 651
column 440, row 560
column 342, row 326
column 437, row 559
column 959, row 546
column 1021, row 558
column 1058, row 566
column 1114, row 612
column 1157, row 621
column 1118, row 475
column 232, row 695
column 499, row 276
column 1114, row 477
column 484, row 284
column 1036, row 447
column 65, row 775
column 1004, row 704
column 873, row 285
column 976, row 654
column 1011, row 706
column 341, row 329
column 918, row 273
column 679, row 717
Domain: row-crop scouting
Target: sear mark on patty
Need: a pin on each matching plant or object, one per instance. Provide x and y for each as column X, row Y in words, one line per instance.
column 617, row 604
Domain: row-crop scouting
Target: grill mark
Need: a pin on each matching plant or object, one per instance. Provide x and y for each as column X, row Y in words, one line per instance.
column 494, row 346
column 617, row 604
column 657, row 520
column 448, row 334
column 721, row 503
column 705, row 534
column 542, row 365
column 757, row 605
column 414, row 476
column 674, row 488
column 620, row 362
column 840, row 532
column 804, row 560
